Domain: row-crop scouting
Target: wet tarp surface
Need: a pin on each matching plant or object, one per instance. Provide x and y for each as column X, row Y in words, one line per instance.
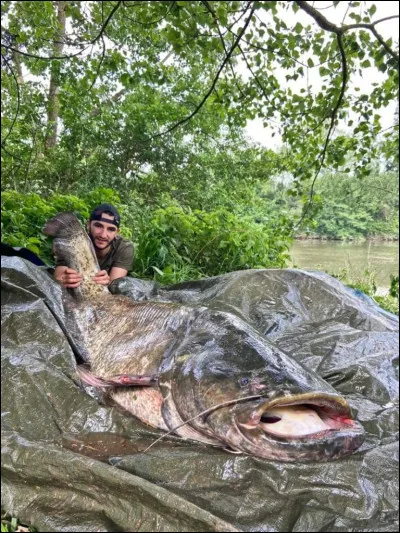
column 73, row 463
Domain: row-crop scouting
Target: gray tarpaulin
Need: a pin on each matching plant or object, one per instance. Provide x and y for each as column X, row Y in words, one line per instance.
column 71, row 462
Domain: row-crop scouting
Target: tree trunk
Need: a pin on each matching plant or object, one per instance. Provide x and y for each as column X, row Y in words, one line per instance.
column 53, row 107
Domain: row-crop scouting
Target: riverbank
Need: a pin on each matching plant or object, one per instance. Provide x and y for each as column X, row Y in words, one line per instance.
column 377, row 238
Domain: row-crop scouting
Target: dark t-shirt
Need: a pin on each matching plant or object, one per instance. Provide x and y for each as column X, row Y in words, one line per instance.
column 120, row 255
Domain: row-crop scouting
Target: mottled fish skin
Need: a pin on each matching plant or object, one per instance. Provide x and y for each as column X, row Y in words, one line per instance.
column 209, row 368
column 120, row 336
column 73, row 246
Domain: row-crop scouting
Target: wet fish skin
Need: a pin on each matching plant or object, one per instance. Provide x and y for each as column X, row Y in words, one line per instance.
column 76, row 250
column 203, row 359
column 204, row 375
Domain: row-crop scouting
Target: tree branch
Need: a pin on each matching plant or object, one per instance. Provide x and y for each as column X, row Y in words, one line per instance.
column 381, row 40
column 319, row 18
column 258, row 82
column 50, row 58
column 12, row 155
column 57, row 57
column 214, row 83
column 325, row 24
column 214, row 16
column 53, row 106
column 99, row 65
column 331, row 126
column 3, row 142
column 106, row 22
column 365, row 25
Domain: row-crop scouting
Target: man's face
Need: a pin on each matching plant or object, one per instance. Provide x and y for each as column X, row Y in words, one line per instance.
column 102, row 234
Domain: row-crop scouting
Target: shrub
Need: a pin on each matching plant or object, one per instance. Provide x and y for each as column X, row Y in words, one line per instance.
column 200, row 243
column 171, row 244
column 23, row 216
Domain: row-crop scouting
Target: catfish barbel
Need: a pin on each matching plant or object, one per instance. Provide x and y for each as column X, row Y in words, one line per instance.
column 205, row 375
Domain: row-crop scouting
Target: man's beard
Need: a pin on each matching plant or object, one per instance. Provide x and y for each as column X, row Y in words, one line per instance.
column 93, row 239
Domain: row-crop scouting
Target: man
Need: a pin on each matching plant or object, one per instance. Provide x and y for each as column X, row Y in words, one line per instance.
column 114, row 254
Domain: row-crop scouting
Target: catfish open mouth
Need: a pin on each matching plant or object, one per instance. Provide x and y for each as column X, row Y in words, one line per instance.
column 306, row 416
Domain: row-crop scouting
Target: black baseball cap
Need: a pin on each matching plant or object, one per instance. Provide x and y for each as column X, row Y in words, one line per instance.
column 106, row 208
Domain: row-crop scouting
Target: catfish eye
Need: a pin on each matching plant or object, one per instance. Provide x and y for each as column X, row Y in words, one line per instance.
column 244, row 381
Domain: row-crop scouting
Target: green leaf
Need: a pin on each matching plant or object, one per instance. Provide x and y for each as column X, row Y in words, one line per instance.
column 355, row 17
column 298, row 28
column 159, row 272
column 125, row 79
column 221, row 14
column 323, row 71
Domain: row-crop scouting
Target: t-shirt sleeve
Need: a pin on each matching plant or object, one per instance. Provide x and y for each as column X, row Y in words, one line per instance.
column 124, row 256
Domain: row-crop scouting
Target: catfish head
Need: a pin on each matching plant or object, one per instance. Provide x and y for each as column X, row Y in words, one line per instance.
column 239, row 391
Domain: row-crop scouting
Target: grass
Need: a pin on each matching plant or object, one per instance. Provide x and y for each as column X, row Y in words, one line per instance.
column 11, row 524
column 367, row 284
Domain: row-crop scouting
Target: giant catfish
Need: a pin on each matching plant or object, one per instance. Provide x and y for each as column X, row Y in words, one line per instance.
column 205, row 375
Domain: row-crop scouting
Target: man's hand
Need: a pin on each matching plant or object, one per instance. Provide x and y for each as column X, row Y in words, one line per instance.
column 102, row 278
column 70, row 278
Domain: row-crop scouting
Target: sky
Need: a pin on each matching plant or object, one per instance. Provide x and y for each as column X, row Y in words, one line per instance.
column 255, row 129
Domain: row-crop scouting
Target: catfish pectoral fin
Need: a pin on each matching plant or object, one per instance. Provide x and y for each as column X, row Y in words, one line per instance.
column 89, row 378
column 119, row 380
column 127, row 380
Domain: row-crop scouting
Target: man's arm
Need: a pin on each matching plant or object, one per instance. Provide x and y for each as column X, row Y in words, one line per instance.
column 122, row 264
column 123, row 261
column 117, row 272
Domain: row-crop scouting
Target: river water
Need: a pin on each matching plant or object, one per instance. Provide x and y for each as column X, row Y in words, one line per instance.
column 381, row 258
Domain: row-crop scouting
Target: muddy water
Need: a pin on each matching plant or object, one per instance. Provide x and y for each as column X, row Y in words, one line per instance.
column 381, row 258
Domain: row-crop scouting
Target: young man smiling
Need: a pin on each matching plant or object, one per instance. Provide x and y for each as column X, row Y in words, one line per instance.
column 114, row 254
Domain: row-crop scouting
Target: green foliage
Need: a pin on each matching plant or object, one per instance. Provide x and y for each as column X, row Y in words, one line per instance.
column 394, row 287
column 388, row 303
column 163, row 62
column 367, row 284
column 23, row 217
column 199, row 243
column 172, row 243
column 354, row 208
column 11, row 524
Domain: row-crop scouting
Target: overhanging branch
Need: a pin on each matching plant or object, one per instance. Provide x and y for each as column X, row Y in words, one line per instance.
column 327, row 25
column 214, row 16
column 59, row 57
column 214, row 83
column 331, row 125
column 3, row 141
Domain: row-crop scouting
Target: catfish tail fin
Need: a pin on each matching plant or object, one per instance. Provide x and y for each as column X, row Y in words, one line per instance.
column 64, row 225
